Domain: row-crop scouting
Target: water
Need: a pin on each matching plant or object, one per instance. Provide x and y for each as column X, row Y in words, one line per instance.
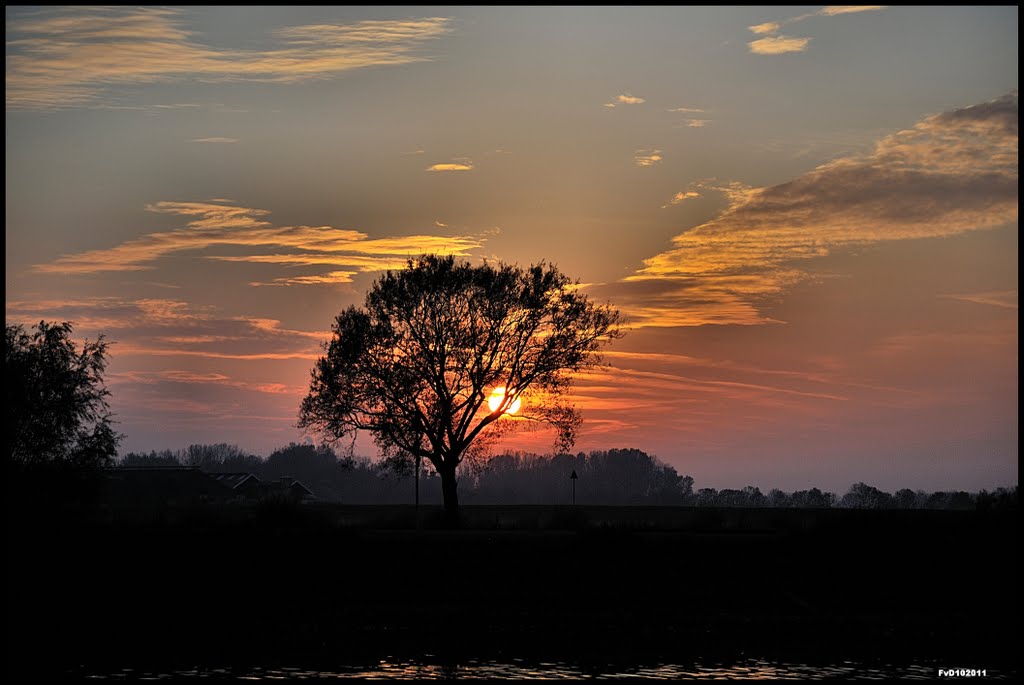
column 397, row 669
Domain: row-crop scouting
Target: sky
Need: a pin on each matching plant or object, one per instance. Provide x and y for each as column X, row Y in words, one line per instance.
column 808, row 216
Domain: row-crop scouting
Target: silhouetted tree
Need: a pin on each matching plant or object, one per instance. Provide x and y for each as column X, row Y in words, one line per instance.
column 56, row 410
column 905, row 499
column 707, row 497
column 317, row 467
column 617, row 476
column 949, row 500
column 154, row 459
column 1002, row 498
column 863, row 496
column 219, row 457
column 812, row 499
column 753, row 497
column 415, row 365
column 778, row 498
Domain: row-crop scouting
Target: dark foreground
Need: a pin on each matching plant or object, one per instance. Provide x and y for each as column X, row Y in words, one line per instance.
column 329, row 588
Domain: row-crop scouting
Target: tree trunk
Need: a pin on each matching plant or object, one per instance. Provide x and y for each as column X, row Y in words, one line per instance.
column 450, row 489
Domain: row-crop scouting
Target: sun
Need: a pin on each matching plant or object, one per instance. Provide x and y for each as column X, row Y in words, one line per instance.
column 498, row 396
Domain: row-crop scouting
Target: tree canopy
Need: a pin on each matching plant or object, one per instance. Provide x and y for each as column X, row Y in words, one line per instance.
column 417, row 365
column 56, row 410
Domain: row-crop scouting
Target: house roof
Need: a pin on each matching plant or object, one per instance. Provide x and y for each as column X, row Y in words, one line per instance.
column 146, row 483
column 235, row 480
column 287, row 483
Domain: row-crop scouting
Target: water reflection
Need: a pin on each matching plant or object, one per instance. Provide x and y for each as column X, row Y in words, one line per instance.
column 398, row 669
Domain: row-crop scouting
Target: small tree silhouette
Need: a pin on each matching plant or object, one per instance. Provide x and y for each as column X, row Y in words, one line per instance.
column 418, row 364
column 56, row 411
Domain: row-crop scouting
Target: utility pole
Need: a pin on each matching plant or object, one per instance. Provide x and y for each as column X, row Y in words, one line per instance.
column 417, row 478
column 573, row 478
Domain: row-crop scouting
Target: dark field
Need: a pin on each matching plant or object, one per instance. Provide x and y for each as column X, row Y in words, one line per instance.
column 327, row 587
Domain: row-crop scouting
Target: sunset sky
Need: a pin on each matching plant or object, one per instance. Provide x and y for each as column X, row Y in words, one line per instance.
column 807, row 215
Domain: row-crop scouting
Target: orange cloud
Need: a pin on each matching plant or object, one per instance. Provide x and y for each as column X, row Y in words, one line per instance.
column 951, row 173
column 682, row 196
column 833, row 10
column 317, row 279
column 451, row 166
column 773, row 44
column 767, row 27
column 163, row 327
column 778, row 45
column 627, row 99
column 645, row 158
column 214, row 224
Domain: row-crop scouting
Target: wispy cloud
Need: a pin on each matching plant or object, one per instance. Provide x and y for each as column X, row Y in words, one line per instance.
column 778, row 45
column 216, row 225
column 625, row 99
column 464, row 165
column 691, row 122
column 167, row 327
column 682, row 196
column 177, row 366
column 833, row 10
column 951, row 173
column 178, row 376
column 215, row 139
column 67, row 57
column 773, row 44
column 1006, row 299
column 645, row 158
column 767, row 27
column 329, row 278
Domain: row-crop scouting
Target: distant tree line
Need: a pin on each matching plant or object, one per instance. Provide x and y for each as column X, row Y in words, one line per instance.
column 611, row 477
column 352, row 480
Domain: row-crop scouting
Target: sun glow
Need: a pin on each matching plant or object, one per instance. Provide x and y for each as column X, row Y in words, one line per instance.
column 497, row 397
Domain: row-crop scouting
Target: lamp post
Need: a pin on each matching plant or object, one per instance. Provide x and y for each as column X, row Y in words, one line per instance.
column 573, row 478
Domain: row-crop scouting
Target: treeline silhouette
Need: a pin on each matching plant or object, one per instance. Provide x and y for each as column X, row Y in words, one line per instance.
column 605, row 477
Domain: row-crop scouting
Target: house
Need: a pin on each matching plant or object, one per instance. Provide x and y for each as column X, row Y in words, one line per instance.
column 185, row 486
column 287, row 489
column 149, row 486
column 244, row 485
